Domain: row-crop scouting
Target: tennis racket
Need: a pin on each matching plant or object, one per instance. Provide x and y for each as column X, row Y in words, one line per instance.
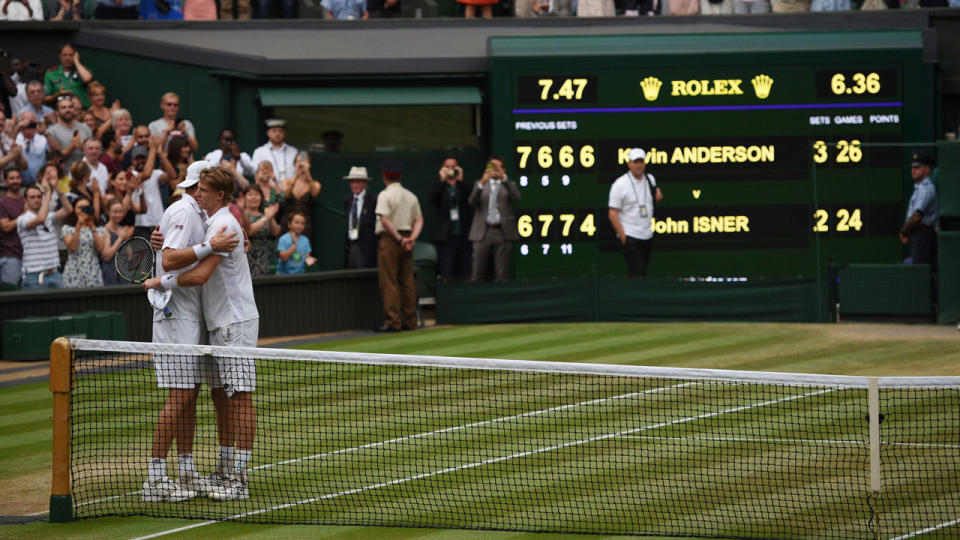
column 134, row 260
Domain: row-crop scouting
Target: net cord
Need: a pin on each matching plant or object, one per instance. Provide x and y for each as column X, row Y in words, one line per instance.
column 764, row 377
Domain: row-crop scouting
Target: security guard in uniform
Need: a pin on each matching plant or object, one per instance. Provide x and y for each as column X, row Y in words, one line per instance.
column 922, row 212
column 399, row 223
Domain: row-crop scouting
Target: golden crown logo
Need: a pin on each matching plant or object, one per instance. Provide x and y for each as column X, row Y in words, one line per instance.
column 761, row 85
column 651, row 88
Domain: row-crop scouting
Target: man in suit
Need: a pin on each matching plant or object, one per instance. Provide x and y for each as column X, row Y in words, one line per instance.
column 360, row 247
column 449, row 198
column 494, row 226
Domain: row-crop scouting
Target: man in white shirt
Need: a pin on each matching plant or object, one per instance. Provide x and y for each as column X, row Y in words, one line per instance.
column 180, row 320
column 92, row 150
column 280, row 154
column 33, row 146
column 232, row 319
column 146, row 187
column 171, row 123
column 228, row 149
column 632, row 197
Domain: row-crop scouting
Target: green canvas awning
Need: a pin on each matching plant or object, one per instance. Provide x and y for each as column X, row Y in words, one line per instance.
column 366, row 96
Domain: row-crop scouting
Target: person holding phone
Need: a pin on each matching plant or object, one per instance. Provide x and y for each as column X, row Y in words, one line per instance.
column 171, row 124
column 229, row 150
column 84, row 241
column 494, row 226
column 67, row 135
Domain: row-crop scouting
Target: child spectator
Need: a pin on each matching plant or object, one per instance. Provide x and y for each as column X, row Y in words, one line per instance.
column 294, row 247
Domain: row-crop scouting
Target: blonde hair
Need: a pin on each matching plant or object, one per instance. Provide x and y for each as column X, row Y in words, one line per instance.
column 119, row 113
column 219, row 179
column 169, row 95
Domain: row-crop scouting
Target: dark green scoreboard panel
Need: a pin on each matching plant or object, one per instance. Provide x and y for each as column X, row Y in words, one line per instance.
column 776, row 153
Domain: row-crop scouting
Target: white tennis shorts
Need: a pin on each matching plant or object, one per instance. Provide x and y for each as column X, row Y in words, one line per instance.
column 180, row 371
column 236, row 373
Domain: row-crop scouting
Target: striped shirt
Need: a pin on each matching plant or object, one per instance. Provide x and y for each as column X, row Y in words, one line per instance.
column 39, row 243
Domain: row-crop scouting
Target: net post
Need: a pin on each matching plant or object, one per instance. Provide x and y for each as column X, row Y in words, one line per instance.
column 873, row 408
column 61, row 501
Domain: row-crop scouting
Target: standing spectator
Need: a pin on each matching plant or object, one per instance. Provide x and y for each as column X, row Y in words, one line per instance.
column 146, row 183
column 293, row 247
column 345, row 9
column 66, row 10
column 115, row 232
column 300, row 191
column 171, row 124
column 494, row 225
column 470, row 8
column 19, row 78
column 922, row 211
column 88, row 119
column 229, row 150
column 120, row 190
column 263, row 231
column 632, row 199
column 21, row 10
column 92, row 151
column 111, row 155
column 66, row 136
column 41, row 259
column 70, row 78
column 117, row 9
column 82, row 187
column 280, row 154
column 399, row 224
column 140, row 137
column 749, row 7
column 11, row 153
column 199, row 10
column 33, row 145
column 98, row 103
column 267, row 182
column 360, row 244
column 35, row 104
column 122, row 124
column 11, row 206
column 450, row 202
column 85, row 241
column 242, row 8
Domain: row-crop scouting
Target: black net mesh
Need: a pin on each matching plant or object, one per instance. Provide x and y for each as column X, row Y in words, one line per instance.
column 465, row 447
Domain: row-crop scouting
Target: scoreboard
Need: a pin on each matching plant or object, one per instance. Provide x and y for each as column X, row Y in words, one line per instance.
column 776, row 153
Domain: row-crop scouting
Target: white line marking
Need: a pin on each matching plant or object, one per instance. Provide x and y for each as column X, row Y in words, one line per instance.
column 928, row 529
column 840, row 442
column 497, row 459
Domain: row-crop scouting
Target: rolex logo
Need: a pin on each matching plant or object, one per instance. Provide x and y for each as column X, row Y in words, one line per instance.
column 651, row 88
column 761, row 85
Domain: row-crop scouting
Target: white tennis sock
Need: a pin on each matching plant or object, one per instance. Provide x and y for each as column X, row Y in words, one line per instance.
column 225, row 463
column 240, row 467
column 157, row 469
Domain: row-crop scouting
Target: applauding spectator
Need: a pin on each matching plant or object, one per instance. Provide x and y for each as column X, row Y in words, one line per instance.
column 65, row 10
column 300, row 191
column 146, row 183
column 37, row 230
column 294, row 247
column 85, row 241
column 120, row 190
column 98, row 104
column 92, row 152
column 11, row 153
column 66, row 136
column 171, row 125
column 267, row 182
column 122, row 124
column 263, row 231
column 70, row 78
column 82, row 187
column 115, row 232
column 11, row 206
column 32, row 144
column 229, row 151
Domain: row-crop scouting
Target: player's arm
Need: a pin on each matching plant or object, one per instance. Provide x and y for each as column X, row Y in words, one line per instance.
column 196, row 276
column 175, row 259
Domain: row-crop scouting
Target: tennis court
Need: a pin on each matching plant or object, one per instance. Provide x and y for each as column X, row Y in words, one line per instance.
column 475, row 447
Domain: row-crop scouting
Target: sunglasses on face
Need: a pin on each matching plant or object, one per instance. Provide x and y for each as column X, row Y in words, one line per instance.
column 64, row 98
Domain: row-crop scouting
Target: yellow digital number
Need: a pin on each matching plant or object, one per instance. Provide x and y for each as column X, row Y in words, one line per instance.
column 587, row 227
column 873, row 83
column 566, row 157
column 855, row 220
column 842, row 148
column 821, row 220
column 838, row 84
column 567, row 220
column 860, row 83
column 525, row 226
column 849, row 152
column 546, row 219
column 843, row 215
column 546, row 84
column 581, row 85
column 524, row 152
column 545, row 157
column 586, row 157
column 819, row 156
column 566, row 89
column 855, row 153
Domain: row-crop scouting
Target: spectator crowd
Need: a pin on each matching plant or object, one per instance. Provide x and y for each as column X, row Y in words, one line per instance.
column 80, row 176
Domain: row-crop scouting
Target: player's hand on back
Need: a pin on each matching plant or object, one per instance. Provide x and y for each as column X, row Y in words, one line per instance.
column 224, row 242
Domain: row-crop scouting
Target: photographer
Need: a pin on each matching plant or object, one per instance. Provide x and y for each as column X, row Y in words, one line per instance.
column 230, row 151
column 32, row 144
column 449, row 198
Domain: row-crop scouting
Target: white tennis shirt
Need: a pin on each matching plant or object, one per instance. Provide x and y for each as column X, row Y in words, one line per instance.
column 227, row 296
column 182, row 226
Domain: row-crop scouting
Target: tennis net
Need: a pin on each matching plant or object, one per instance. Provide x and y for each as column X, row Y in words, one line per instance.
column 390, row 440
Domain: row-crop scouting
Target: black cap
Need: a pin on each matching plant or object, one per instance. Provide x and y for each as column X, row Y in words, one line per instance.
column 393, row 168
column 920, row 158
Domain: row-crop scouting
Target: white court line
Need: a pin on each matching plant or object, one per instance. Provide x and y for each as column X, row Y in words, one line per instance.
column 492, row 461
column 928, row 529
column 436, row 432
column 840, row 442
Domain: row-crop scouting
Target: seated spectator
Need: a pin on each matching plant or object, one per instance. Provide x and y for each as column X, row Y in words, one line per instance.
column 66, row 10
column 345, row 9
column 117, row 9
column 228, row 147
column 293, row 247
column 21, row 10
column 11, row 206
column 115, row 232
column 120, row 190
column 84, row 240
column 716, row 7
column 112, row 153
column 171, row 125
column 82, row 187
column 300, row 191
column 37, row 230
column 32, row 144
column 161, row 10
column 70, row 78
column 35, row 103
column 92, row 151
column 262, row 232
column 67, row 135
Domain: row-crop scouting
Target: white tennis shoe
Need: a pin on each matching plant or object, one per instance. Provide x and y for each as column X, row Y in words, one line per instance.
column 192, row 481
column 165, row 490
column 234, row 489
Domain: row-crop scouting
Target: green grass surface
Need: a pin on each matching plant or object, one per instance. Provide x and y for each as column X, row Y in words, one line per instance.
column 24, row 417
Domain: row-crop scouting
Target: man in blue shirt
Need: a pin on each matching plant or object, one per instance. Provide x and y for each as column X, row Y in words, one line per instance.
column 918, row 227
